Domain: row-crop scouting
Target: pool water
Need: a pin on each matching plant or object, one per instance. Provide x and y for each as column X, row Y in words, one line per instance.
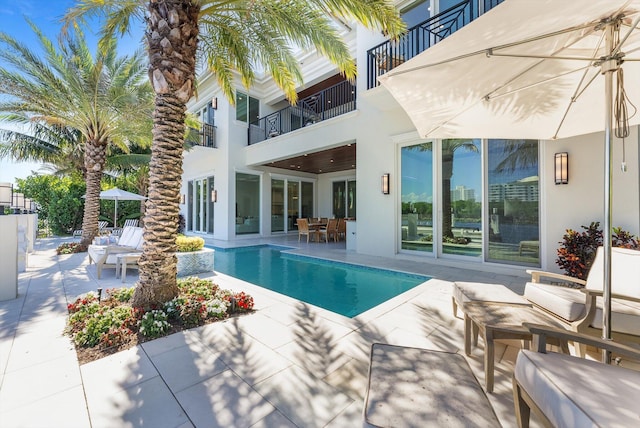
column 339, row 287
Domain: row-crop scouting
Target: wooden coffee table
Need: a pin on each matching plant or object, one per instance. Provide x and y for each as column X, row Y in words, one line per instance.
column 496, row 321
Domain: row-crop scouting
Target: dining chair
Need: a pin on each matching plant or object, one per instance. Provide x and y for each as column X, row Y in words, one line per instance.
column 303, row 228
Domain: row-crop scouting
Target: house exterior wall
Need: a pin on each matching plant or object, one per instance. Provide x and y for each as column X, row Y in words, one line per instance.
column 379, row 127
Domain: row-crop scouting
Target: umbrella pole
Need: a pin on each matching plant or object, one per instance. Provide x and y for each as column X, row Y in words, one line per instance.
column 609, row 66
column 115, row 215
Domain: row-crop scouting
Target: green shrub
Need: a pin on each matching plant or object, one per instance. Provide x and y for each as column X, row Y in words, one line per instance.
column 120, row 294
column 154, row 324
column 189, row 243
column 101, row 323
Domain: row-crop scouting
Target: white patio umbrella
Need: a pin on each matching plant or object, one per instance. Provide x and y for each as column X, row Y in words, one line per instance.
column 539, row 69
column 116, row 195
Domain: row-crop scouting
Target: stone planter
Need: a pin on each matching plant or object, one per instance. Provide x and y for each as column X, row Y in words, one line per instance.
column 195, row 262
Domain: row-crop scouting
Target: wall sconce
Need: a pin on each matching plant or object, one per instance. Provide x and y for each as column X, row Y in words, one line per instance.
column 214, row 103
column 385, row 184
column 6, row 196
column 182, row 198
column 561, row 168
column 214, row 196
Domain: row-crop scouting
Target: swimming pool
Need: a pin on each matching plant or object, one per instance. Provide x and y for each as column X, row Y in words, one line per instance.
column 339, row 287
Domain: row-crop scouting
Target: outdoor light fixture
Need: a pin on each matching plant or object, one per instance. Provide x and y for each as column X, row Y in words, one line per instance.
column 214, row 196
column 18, row 203
column 27, row 204
column 6, row 196
column 214, row 103
column 561, row 168
column 385, row 184
column 182, row 198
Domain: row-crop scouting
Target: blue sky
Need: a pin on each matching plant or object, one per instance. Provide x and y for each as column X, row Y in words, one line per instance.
column 46, row 14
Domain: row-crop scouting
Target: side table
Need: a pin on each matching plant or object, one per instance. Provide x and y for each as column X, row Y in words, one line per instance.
column 124, row 260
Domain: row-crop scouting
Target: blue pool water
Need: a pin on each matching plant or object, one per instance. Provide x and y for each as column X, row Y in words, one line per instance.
column 339, row 287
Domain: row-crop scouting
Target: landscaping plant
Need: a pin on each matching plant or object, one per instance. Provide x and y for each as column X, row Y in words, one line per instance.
column 98, row 327
column 578, row 249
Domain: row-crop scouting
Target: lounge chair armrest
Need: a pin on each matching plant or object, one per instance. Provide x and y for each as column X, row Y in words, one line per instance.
column 537, row 274
column 599, row 293
column 541, row 332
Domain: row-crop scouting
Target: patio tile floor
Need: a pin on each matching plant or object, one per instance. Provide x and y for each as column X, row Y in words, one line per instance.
column 289, row 364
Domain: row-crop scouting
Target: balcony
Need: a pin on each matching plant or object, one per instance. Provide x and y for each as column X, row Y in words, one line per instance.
column 205, row 136
column 326, row 104
column 390, row 54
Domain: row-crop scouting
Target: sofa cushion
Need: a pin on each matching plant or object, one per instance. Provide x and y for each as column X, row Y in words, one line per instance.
column 567, row 303
column 465, row 292
column 576, row 392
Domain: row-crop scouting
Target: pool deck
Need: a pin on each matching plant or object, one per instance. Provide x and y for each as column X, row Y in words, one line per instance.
column 290, row 364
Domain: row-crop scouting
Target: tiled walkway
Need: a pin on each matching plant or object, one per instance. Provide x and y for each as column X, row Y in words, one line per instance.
column 290, row 364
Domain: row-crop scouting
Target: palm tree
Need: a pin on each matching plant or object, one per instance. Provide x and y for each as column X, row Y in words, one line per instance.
column 449, row 149
column 236, row 37
column 106, row 99
column 60, row 147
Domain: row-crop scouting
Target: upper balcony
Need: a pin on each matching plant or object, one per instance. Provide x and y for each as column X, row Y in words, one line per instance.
column 205, row 136
column 322, row 105
column 390, row 54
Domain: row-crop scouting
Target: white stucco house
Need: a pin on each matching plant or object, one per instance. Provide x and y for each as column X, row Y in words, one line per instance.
column 262, row 163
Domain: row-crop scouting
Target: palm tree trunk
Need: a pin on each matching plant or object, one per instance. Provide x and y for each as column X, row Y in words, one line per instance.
column 172, row 39
column 94, row 159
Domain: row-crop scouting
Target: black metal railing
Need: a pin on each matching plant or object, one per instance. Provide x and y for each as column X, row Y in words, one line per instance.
column 205, row 136
column 326, row 104
column 390, row 54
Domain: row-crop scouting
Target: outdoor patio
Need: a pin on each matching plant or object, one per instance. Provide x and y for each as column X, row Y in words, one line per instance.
column 288, row 364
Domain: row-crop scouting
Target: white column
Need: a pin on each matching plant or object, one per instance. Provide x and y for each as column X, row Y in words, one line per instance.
column 8, row 257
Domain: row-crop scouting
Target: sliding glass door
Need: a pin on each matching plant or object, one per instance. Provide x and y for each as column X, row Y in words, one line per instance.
column 416, row 189
column 200, row 205
column 293, row 197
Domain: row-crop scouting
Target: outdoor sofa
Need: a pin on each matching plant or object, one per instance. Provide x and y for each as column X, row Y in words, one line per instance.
column 106, row 255
column 566, row 391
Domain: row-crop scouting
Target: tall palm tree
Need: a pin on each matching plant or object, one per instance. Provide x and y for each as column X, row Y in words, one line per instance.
column 236, row 37
column 107, row 99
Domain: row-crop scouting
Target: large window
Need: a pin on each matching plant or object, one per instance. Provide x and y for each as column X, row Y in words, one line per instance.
column 513, row 209
column 277, row 205
column 416, row 163
column 344, row 199
column 247, row 203
column 461, row 222
column 247, row 108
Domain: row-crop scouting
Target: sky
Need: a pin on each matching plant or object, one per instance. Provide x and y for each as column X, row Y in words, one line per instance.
column 46, row 14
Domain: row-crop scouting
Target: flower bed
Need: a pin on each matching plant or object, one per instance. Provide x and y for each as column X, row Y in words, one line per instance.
column 100, row 327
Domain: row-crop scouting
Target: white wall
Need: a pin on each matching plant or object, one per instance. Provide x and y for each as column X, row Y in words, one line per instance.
column 581, row 201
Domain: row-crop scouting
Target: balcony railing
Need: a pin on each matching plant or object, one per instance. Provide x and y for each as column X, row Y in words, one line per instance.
column 326, row 104
column 205, row 136
column 390, row 54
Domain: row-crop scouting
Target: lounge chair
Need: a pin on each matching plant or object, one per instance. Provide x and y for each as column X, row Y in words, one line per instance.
column 566, row 391
column 132, row 222
column 582, row 309
column 106, row 255
column 102, row 228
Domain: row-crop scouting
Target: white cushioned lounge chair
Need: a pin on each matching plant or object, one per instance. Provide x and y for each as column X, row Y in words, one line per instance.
column 582, row 308
column 130, row 241
column 566, row 391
